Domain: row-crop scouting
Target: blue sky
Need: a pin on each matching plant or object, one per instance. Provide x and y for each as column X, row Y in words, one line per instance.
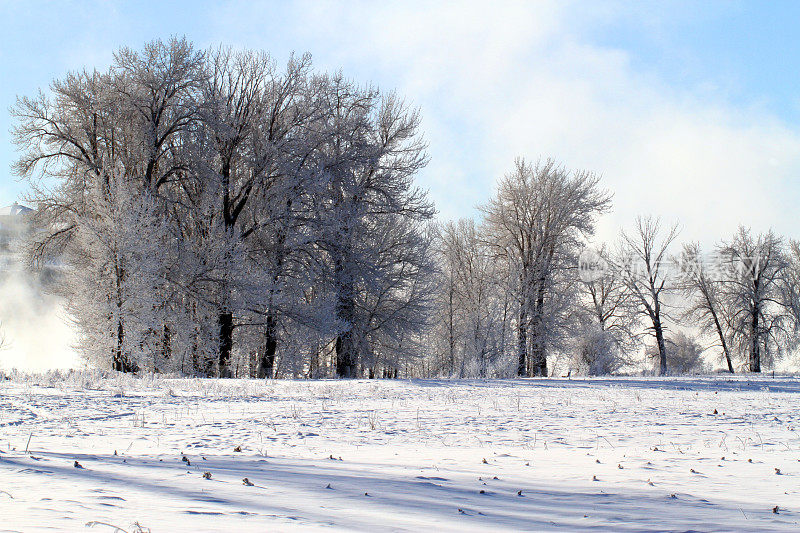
column 689, row 110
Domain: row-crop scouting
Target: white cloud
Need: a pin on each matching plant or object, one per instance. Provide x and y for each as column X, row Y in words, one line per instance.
column 496, row 81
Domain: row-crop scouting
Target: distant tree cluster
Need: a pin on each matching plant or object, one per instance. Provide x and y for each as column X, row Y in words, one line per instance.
column 217, row 215
column 511, row 301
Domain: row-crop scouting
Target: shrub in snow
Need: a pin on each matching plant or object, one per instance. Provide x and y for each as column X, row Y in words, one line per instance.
column 684, row 354
column 597, row 354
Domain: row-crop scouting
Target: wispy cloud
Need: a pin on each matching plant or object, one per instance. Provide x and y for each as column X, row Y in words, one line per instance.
column 501, row 79
column 497, row 81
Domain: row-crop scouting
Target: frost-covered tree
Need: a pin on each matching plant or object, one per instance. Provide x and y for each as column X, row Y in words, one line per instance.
column 208, row 205
column 67, row 140
column 607, row 313
column 473, row 326
column 98, row 154
column 537, row 218
column 790, row 293
column 253, row 117
column 157, row 92
column 369, row 217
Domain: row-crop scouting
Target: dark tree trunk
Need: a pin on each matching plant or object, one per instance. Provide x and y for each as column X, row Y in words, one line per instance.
column 722, row 341
column 755, row 350
column 266, row 366
column 121, row 362
column 538, row 360
column 538, row 353
column 225, row 322
column 345, row 355
column 117, row 359
column 166, row 343
column 662, row 346
column 230, row 214
column 197, row 366
column 522, row 344
column 313, row 363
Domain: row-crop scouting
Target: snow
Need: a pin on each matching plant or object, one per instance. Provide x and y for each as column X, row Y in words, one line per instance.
column 14, row 210
column 628, row 454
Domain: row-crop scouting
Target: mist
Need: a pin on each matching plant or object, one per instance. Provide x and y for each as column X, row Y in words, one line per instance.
column 37, row 333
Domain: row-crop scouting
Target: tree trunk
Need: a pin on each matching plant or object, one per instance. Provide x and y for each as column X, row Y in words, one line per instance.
column 722, row 341
column 197, row 366
column 121, row 361
column 166, row 343
column 266, row 367
column 225, row 322
column 755, row 350
column 451, row 331
column 225, row 318
column 522, row 344
column 538, row 354
column 662, row 346
column 538, row 360
column 118, row 363
column 345, row 355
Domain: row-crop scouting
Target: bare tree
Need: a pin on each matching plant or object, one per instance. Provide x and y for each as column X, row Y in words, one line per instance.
column 609, row 303
column 107, row 145
column 609, row 314
column 536, row 220
column 703, row 291
column 643, row 261
column 754, row 269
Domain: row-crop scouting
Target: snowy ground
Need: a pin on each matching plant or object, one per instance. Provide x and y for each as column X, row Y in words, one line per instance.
column 621, row 454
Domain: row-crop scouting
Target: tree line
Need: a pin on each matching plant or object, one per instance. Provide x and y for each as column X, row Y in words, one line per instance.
column 214, row 214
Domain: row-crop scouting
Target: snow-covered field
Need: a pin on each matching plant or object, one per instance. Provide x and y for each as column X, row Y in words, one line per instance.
column 708, row 454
